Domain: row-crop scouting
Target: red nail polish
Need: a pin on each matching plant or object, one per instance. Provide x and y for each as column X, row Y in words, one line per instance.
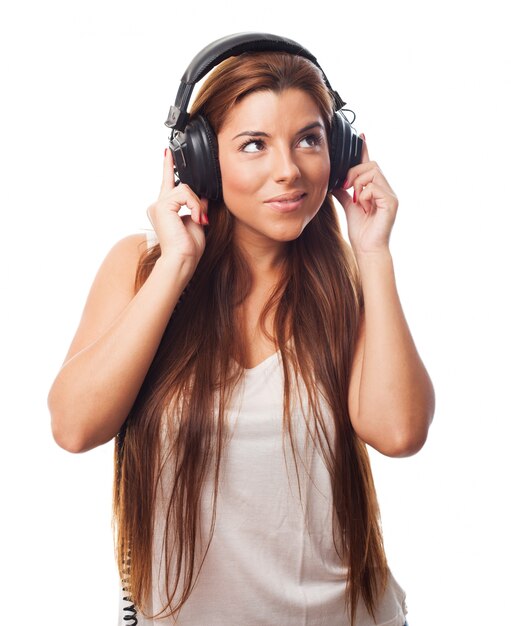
column 165, row 153
column 345, row 184
column 355, row 196
column 205, row 219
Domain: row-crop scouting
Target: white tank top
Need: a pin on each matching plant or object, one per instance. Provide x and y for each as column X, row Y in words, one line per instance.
column 272, row 559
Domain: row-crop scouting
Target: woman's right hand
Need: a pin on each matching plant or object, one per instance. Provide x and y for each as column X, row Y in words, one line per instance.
column 181, row 238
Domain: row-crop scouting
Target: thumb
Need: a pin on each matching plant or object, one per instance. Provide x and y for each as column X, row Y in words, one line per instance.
column 343, row 196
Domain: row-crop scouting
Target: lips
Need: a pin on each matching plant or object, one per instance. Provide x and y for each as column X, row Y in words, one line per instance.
column 288, row 197
column 287, row 202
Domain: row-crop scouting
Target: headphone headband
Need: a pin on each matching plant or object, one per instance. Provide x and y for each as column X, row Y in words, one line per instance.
column 221, row 49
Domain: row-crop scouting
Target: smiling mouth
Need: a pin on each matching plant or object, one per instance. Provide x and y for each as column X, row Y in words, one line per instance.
column 295, row 198
column 286, row 206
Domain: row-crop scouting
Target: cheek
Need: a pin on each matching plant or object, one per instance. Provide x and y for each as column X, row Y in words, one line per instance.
column 324, row 169
column 237, row 180
column 316, row 170
column 320, row 176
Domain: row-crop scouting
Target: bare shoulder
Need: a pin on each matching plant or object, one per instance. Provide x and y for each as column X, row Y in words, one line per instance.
column 128, row 249
column 111, row 291
column 120, row 264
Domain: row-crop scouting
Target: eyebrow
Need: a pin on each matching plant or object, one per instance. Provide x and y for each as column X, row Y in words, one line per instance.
column 258, row 133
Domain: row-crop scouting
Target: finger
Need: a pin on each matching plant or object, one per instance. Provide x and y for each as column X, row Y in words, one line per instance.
column 371, row 176
column 346, row 200
column 364, row 171
column 168, row 181
column 366, row 198
column 343, row 196
column 374, row 196
column 183, row 196
column 204, row 214
column 173, row 200
column 365, row 151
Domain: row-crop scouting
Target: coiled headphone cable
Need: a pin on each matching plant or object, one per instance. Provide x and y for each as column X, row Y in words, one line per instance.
column 129, row 609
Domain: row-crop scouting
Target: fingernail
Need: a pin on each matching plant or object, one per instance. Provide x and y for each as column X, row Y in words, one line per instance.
column 363, row 136
column 165, row 153
column 205, row 219
column 354, row 196
column 345, row 184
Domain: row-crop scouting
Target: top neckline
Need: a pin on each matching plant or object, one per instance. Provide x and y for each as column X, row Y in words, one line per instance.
column 259, row 365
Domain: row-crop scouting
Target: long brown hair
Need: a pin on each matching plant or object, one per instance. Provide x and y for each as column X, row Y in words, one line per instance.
column 317, row 302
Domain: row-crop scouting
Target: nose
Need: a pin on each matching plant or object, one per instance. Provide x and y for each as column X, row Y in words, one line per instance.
column 284, row 165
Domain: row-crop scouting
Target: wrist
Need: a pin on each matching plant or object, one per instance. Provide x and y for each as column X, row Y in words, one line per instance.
column 179, row 269
column 377, row 275
column 372, row 257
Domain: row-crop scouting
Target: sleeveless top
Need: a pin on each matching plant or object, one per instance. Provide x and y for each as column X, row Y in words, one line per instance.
column 272, row 559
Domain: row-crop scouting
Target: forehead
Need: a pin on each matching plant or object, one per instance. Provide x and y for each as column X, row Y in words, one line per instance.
column 263, row 110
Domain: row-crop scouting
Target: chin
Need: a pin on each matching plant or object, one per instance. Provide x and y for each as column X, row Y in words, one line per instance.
column 288, row 234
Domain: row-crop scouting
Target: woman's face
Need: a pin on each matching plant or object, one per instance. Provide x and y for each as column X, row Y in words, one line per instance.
column 275, row 164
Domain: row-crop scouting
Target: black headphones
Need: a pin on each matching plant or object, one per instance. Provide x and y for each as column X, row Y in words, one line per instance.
column 194, row 145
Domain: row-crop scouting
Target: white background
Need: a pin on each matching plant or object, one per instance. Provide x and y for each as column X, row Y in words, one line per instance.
column 86, row 89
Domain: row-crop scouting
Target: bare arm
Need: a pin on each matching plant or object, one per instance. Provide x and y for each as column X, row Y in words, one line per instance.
column 112, row 350
column 391, row 397
column 120, row 330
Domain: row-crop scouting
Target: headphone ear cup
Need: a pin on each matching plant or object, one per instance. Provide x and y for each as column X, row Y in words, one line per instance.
column 345, row 150
column 195, row 153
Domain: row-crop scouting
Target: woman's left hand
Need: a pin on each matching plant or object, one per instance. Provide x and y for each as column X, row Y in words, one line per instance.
column 371, row 213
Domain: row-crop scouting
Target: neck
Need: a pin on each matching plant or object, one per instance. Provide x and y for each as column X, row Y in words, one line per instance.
column 264, row 257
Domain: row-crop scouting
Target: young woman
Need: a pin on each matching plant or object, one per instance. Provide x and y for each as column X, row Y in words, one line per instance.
column 243, row 356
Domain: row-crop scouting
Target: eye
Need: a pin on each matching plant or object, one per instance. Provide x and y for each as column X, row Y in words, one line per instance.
column 252, row 146
column 311, row 141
